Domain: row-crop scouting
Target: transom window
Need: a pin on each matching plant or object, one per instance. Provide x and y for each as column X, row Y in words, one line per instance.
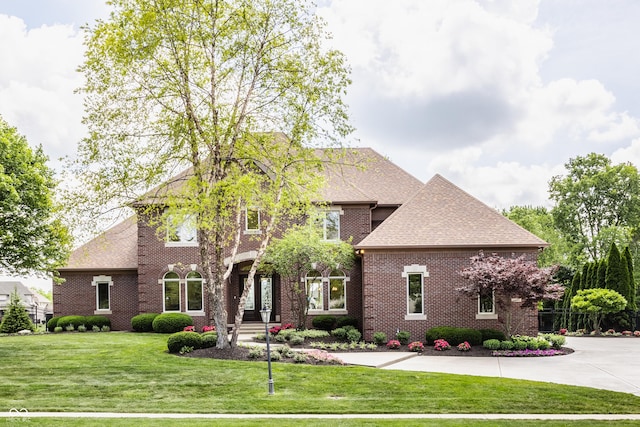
column 194, row 292
column 315, row 297
column 171, row 291
column 181, row 230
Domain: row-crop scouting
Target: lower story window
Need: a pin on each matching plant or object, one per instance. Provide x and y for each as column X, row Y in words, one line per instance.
column 486, row 303
column 194, row 291
column 414, row 293
column 103, row 292
column 171, row 291
column 315, row 296
column 337, row 291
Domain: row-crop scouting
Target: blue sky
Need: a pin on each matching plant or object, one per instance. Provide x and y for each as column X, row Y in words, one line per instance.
column 494, row 95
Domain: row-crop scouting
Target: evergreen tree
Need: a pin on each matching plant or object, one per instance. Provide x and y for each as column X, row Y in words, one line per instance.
column 602, row 273
column 584, row 277
column 17, row 318
column 592, row 275
column 617, row 276
column 631, row 296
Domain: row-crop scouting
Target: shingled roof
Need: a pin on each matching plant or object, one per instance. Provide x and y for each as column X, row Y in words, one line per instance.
column 115, row 249
column 443, row 215
column 367, row 177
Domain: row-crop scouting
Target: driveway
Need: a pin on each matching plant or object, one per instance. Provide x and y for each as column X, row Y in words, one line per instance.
column 611, row 363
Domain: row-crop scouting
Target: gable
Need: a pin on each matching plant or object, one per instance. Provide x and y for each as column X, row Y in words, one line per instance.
column 442, row 215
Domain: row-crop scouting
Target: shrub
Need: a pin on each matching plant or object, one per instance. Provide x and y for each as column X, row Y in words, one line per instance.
column 353, row 335
column 99, row 321
column 492, row 334
column 275, row 356
column 105, row 328
column 464, row 346
column 326, row 322
column 186, row 349
column 82, row 328
column 556, row 341
column 57, row 329
column 519, row 345
column 74, row 321
column 346, row 321
column 256, row 353
column 52, row 323
column 379, row 338
column 300, row 357
column 506, row 345
column 453, row 335
column 95, row 328
column 532, row 345
column 169, row 323
column 403, row 337
column 543, row 344
column 441, row 345
column 296, row 339
column 143, row 322
column 209, row 339
column 393, row 344
column 341, row 333
column 491, row 344
column 183, row 339
column 69, row 328
column 416, row 346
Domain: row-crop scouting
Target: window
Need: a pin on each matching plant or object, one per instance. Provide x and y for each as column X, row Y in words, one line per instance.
column 337, row 291
column 181, row 230
column 314, row 291
column 414, row 293
column 171, row 291
column 194, row 291
column 103, row 293
column 252, row 221
column 486, row 303
column 329, row 220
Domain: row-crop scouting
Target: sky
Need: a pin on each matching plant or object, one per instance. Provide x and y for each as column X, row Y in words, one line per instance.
column 494, row 95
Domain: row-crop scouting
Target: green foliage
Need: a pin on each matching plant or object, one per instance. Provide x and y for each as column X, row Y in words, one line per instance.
column 341, row 334
column 631, row 294
column 597, row 302
column 32, row 237
column 454, row 335
column 209, row 339
column 488, row 334
column 353, row 335
column 256, row 352
column 346, row 321
column 99, row 321
column 491, row 344
column 57, row 329
column 16, row 318
column 169, row 323
column 52, row 323
column 617, row 276
column 325, row 322
column 143, row 322
column 380, row 338
column 82, row 328
column 403, row 337
column 556, row 341
column 506, row 345
column 74, row 321
column 179, row 340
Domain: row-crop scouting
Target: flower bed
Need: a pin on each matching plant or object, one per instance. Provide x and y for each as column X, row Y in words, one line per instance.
column 528, row 353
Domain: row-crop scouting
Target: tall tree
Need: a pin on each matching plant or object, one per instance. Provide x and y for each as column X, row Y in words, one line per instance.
column 631, row 294
column 33, row 240
column 617, row 276
column 204, row 84
column 301, row 250
column 510, row 278
column 596, row 203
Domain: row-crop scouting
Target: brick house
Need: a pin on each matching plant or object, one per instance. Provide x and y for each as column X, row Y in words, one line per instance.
column 411, row 240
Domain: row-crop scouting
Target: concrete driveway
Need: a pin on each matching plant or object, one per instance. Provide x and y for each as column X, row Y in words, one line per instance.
column 610, row 363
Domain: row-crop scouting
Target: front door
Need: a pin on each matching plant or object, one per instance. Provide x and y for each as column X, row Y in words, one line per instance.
column 258, row 297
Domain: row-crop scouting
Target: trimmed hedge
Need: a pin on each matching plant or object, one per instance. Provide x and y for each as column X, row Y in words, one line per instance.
column 453, row 335
column 169, row 323
column 209, row 339
column 343, row 321
column 99, row 321
column 52, row 323
column 181, row 339
column 76, row 321
column 492, row 334
column 326, row 322
column 143, row 322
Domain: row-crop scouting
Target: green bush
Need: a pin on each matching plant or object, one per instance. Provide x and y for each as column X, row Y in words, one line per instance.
column 296, row 339
column 353, row 335
column 403, row 337
column 556, row 341
column 74, row 321
column 519, row 345
column 341, row 333
column 506, row 345
column 533, row 345
column 343, row 321
column 492, row 334
column 454, row 336
column 82, row 328
column 209, row 339
column 169, row 323
column 57, row 329
column 325, row 322
column 492, row 344
column 183, row 339
column 143, row 322
column 543, row 344
column 380, row 338
column 52, row 323
column 98, row 321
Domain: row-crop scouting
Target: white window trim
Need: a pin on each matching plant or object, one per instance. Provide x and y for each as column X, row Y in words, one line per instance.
column 164, row 296
column 180, row 244
column 340, row 212
column 344, row 310
column 94, row 282
column 186, row 294
column 248, row 230
column 322, row 285
column 487, row 315
column 415, row 269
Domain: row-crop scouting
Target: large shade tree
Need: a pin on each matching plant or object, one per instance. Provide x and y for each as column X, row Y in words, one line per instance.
column 204, row 84
column 33, row 240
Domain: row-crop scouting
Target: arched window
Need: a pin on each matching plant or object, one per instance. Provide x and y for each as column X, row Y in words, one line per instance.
column 337, row 291
column 171, row 291
column 194, row 292
column 315, row 296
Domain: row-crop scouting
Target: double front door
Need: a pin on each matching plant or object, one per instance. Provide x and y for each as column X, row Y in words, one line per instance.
column 260, row 295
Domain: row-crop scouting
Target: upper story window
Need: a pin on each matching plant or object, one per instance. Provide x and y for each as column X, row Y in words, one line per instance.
column 181, row 230
column 252, row 221
column 330, row 222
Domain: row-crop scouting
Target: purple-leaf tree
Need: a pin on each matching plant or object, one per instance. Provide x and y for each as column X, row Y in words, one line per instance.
column 509, row 279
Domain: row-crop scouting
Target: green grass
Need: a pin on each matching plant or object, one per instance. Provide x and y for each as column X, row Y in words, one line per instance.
column 126, row 372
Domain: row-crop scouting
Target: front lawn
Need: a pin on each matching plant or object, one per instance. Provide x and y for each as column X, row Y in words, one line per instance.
column 127, row 372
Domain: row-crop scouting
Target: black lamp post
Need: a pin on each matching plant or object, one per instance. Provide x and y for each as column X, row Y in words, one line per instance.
column 266, row 313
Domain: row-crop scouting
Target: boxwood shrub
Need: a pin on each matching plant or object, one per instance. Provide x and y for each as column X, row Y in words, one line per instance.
column 326, row 322
column 184, row 339
column 343, row 321
column 52, row 323
column 99, row 321
column 209, row 339
column 491, row 344
column 169, row 323
column 453, row 335
column 76, row 321
column 492, row 334
column 143, row 322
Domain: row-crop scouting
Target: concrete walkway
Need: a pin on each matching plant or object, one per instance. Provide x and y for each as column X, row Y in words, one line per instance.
column 610, row 363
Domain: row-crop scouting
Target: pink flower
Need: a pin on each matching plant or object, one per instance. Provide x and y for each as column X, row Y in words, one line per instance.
column 208, row 328
column 464, row 346
column 416, row 346
column 563, row 331
column 636, row 333
column 441, row 345
column 189, row 329
column 393, row 344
